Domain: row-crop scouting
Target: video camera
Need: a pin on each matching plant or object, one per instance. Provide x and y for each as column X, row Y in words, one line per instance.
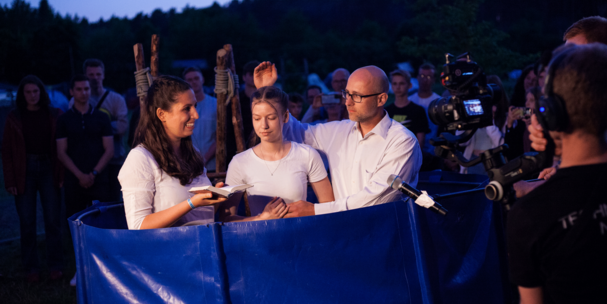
column 471, row 107
column 472, row 98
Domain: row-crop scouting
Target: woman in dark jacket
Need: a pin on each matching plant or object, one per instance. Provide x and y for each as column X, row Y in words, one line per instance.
column 30, row 165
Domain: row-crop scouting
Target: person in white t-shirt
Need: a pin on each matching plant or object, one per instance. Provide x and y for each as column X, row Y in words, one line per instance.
column 164, row 165
column 279, row 170
column 423, row 97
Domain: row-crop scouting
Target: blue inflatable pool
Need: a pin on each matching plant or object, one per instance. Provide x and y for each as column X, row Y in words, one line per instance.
column 392, row 253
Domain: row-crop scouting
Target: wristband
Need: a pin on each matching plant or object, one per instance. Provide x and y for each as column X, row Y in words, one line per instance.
column 190, row 203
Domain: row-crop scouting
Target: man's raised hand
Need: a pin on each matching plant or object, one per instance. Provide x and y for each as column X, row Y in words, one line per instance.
column 265, row 74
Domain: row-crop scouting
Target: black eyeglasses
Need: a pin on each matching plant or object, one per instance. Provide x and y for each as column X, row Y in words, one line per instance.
column 356, row 98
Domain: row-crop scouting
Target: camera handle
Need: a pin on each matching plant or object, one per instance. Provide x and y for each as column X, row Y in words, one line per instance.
column 502, row 175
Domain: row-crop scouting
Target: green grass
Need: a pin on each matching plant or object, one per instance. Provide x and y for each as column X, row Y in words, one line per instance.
column 14, row 287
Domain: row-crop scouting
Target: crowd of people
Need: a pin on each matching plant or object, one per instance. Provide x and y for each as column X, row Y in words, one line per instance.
column 342, row 144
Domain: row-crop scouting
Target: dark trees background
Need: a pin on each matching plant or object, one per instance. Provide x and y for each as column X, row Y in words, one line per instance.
column 501, row 34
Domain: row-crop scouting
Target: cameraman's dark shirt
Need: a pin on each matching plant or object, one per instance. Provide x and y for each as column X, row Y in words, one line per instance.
column 557, row 237
column 412, row 116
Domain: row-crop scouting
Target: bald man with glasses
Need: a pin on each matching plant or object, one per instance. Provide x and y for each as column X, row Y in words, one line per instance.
column 363, row 151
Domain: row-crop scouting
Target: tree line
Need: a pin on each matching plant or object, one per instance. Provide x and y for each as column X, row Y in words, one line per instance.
column 300, row 36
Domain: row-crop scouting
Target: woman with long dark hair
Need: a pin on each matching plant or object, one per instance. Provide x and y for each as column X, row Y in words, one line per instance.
column 164, row 165
column 30, row 164
column 527, row 80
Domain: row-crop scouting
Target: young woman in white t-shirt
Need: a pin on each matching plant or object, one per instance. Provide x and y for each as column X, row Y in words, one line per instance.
column 276, row 168
column 164, row 165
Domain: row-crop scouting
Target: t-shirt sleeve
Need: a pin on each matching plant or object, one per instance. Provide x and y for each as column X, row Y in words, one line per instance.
column 138, row 187
column 106, row 127
column 316, row 168
column 522, row 251
column 61, row 131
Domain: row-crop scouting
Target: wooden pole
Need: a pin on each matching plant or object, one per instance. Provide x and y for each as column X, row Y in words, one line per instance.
column 223, row 61
column 154, row 65
column 235, row 103
column 140, row 64
column 237, row 120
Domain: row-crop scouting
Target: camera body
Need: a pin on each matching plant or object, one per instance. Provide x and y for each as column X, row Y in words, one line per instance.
column 472, row 98
column 471, row 107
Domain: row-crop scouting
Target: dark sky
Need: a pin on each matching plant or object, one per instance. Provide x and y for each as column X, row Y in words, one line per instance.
column 95, row 9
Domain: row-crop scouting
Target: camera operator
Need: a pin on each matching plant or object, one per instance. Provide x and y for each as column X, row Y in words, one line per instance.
column 586, row 30
column 557, row 234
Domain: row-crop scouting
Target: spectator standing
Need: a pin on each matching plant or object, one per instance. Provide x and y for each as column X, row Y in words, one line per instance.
column 424, row 96
column 114, row 106
column 30, row 165
column 85, row 145
column 410, row 115
column 205, row 129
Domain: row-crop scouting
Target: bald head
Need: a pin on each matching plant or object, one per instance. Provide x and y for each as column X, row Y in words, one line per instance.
column 376, row 78
column 339, row 79
column 341, row 72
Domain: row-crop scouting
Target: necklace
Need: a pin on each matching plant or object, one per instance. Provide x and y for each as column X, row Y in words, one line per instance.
column 266, row 163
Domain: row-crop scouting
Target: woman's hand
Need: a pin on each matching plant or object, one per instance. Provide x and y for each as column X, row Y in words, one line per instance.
column 265, row 74
column 205, row 197
column 275, row 209
column 514, row 114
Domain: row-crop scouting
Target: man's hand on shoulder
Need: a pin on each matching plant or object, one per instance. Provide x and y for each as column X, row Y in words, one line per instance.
column 300, row 208
column 265, row 74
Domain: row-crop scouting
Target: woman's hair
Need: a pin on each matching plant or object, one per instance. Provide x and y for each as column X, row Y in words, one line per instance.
column 44, row 101
column 272, row 95
column 536, row 91
column 518, row 97
column 151, row 133
column 502, row 104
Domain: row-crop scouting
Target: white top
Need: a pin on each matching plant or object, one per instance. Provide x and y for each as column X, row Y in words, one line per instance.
column 288, row 181
column 205, row 127
column 147, row 189
column 492, row 136
column 425, row 102
column 360, row 166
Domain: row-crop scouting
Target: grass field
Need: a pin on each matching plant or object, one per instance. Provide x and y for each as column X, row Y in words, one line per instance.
column 14, row 287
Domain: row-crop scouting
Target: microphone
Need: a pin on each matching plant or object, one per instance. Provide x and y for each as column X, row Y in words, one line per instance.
column 419, row 197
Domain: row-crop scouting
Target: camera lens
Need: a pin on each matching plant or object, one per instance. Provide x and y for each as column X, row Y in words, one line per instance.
column 441, row 111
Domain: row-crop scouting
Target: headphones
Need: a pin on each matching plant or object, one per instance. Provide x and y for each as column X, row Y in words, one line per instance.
column 550, row 108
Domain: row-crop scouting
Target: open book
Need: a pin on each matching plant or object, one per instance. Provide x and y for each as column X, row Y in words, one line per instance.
column 226, row 191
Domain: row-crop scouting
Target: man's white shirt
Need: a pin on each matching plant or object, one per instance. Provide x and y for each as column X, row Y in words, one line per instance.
column 360, row 166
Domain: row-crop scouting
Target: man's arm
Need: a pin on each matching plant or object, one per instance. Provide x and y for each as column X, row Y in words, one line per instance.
column 108, row 146
column 403, row 159
column 85, row 179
